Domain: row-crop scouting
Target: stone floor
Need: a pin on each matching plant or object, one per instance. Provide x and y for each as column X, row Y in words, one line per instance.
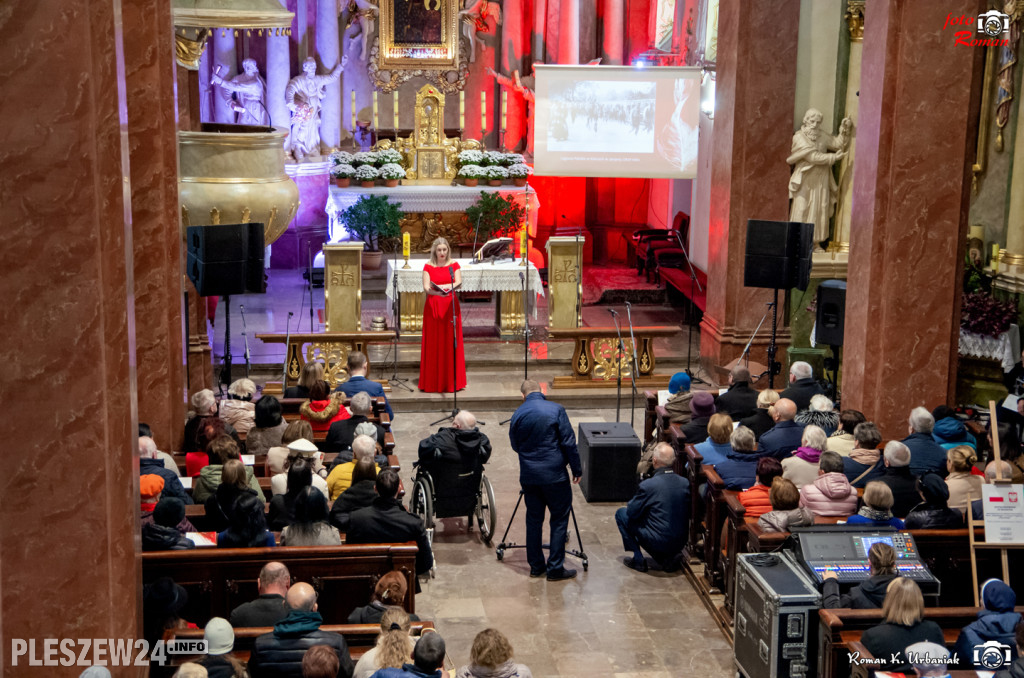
column 609, row 621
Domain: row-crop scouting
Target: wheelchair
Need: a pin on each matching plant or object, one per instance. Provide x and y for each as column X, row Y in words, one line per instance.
column 448, row 490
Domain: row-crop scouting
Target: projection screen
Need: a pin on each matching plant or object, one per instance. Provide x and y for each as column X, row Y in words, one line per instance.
column 616, row 121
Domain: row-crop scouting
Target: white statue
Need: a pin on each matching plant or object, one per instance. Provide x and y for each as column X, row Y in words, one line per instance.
column 362, row 16
column 304, row 95
column 250, row 94
column 474, row 22
column 812, row 188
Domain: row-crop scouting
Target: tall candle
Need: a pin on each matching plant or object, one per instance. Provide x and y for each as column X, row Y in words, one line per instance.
column 405, row 245
column 375, row 125
column 483, row 110
column 504, row 110
column 995, row 252
column 353, row 111
column 462, row 110
column 522, row 246
column 396, row 110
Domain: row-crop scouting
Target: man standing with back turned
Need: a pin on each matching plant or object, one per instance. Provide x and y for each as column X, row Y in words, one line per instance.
column 542, row 436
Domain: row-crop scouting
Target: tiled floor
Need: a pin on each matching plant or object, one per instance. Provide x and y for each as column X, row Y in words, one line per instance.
column 609, row 621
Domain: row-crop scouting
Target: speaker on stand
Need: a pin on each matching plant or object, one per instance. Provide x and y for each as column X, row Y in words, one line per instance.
column 829, row 326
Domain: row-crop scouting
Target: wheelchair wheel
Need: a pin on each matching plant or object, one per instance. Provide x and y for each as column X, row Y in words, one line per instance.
column 422, row 503
column 486, row 512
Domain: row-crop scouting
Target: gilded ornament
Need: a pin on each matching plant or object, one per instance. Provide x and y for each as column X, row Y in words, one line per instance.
column 187, row 52
column 855, row 20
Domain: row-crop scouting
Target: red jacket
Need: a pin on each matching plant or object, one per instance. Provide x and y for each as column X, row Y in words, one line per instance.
column 322, row 413
column 755, row 500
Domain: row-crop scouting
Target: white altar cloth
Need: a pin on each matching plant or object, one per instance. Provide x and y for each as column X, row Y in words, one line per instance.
column 487, row 277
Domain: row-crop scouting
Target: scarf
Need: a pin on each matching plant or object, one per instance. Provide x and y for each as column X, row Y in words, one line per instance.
column 865, row 457
column 808, row 454
column 876, row 515
column 298, row 623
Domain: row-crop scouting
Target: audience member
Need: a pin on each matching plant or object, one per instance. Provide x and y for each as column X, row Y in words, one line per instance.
column 656, row 518
column 761, row 421
column 996, row 621
column 211, row 429
column 95, row 672
column 491, row 657
column 323, row 408
column 462, row 444
column 389, row 591
column 220, row 642
column 786, row 511
column 785, row 436
column 394, row 644
column 820, row 413
column 238, row 410
column 926, row 455
column 870, row 593
column 320, row 661
column 802, row 385
column 831, row 493
column 269, row 607
column 234, row 483
column 280, row 652
column 150, row 487
column 161, row 533
column 387, row 522
column 343, row 433
column 427, row 660
column 1010, row 447
column 678, row 404
column 756, row 500
column 247, row 526
column 1016, row 670
column 977, row 512
column 311, row 456
column 843, row 440
column 340, row 478
column 934, row 513
column 949, row 432
column 191, row 670
column 281, row 512
column 702, row 406
column 715, row 447
column 802, row 467
column 268, row 426
column 865, row 462
column 964, row 486
column 146, row 439
column 220, row 450
column 739, row 468
column 903, row 625
column 311, row 373
column 359, row 494
column 204, row 404
column 162, row 601
column 151, row 463
column 877, row 508
column 899, row 478
column 309, row 526
column 277, row 457
column 740, row 400
column 928, row 660
column 358, row 383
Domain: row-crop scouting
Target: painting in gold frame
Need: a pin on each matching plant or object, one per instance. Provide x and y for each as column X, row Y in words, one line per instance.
column 418, row 37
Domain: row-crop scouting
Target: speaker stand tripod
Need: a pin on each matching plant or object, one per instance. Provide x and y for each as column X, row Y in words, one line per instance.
column 500, row 549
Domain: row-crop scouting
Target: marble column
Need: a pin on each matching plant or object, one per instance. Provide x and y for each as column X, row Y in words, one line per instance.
column 911, row 193
column 855, row 25
column 612, row 36
column 278, row 73
column 1011, row 258
column 156, row 234
column 569, row 32
column 755, row 89
column 329, row 50
column 68, row 319
column 225, row 58
column 540, row 19
column 513, row 44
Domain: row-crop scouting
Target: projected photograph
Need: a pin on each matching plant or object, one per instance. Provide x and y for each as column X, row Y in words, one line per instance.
column 602, row 116
column 677, row 142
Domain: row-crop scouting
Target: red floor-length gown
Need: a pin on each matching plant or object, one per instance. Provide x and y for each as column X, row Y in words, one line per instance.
column 436, row 372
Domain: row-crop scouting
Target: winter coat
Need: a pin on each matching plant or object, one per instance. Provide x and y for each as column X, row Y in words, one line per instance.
column 802, row 467
column 933, row 517
column 760, row 422
column 172, row 485
column 870, row 516
column 210, row 477
column 962, row 483
column 696, row 431
column 885, row 640
column 360, row 495
column 860, row 469
column 658, row 514
column 950, row 432
column 324, row 535
column 507, row 670
column 738, row 402
column 372, row 388
column 678, row 408
column 713, row 453
column 261, row 440
column 371, row 614
column 159, row 538
column 801, row 391
column 469, row 448
column 829, row 495
column 386, row 521
column 279, row 485
column 221, row 503
column 341, row 433
column 738, row 470
column 322, row 413
column 782, row 439
column 926, row 455
column 241, row 414
column 827, row 421
column 781, row 521
column 279, row 653
column 841, row 443
column 543, row 438
column 998, row 626
column 755, row 501
column 904, row 489
column 867, row 595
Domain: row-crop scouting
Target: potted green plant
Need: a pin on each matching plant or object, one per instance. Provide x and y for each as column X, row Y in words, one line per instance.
column 519, row 173
column 391, row 173
column 497, row 215
column 492, row 158
column 471, row 174
column 389, row 156
column 366, row 175
column 373, row 219
column 496, row 174
column 342, row 174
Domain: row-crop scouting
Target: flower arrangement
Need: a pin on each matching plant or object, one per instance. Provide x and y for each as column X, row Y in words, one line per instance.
column 520, row 170
column 496, row 172
column 472, row 172
column 341, row 158
column 470, row 158
column 366, row 173
column 983, row 314
column 392, row 171
column 343, row 171
column 364, row 158
column 492, row 158
column 389, row 156
column 513, row 159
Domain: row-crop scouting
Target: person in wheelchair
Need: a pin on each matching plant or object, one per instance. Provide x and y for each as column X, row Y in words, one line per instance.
column 455, row 457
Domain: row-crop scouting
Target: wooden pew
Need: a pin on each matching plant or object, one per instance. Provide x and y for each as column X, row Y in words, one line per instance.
column 218, row 580
column 650, row 416
column 260, row 465
column 292, row 405
column 691, row 464
column 714, row 521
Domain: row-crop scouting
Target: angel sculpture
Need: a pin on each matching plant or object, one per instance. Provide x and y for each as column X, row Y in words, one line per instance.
column 525, row 87
column 362, row 16
column 474, row 22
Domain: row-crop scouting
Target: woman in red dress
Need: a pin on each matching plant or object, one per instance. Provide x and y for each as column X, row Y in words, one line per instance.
column 439, row 277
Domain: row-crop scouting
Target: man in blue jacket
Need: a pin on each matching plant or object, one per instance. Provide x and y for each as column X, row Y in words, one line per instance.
column 542, row 436
column 782, row 439
column 357, row 381
column 657, row 517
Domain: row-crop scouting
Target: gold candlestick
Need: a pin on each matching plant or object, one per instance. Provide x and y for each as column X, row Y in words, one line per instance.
column 405, row 249
column 525, row 245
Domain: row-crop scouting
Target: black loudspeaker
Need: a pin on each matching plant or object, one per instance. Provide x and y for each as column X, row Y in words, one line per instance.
column 831, row 316
column 226, row 259
column 609, row 453
column 778, row 254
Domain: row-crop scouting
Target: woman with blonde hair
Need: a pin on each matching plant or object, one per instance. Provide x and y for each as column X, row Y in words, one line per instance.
column 761, row 421
column 312, row 372
column 903, row 625
column 394, row 644
column 877, row 509
column 963, row 485
column 440, row 370
column 491, row 657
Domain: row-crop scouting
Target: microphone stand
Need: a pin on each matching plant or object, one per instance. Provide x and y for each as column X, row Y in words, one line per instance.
column 579, row 277
column 396, row 311
column 618, row 358
column 525, row 280
column 636, row 366
column 693, row 305
column 225, row 373
column 746, row 351
column 309, row 271
column 287, row 343
column 245, row 338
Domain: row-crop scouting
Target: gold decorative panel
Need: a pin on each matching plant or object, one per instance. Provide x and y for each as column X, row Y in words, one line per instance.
column 334, row 356
column 418, row 38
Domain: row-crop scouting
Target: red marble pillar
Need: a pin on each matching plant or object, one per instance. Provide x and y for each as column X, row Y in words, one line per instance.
column 756, row 84
column 569, row 32
column 613, row 12
column 69, row 495
column 158, row 271
column 911, row 192
column 514, row 43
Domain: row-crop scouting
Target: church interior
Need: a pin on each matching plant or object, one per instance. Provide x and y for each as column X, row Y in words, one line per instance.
column 651, row 205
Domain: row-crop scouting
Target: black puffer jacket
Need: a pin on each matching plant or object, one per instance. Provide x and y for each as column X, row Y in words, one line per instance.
column 279, row 653
column 357, row 496
column 159, row 538
column 932, row 517
column 454, row 445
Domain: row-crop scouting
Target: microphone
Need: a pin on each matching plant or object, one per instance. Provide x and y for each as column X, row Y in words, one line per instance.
column 520, row 275
column 612, row 311
column 241, row 308
column 290, row 314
